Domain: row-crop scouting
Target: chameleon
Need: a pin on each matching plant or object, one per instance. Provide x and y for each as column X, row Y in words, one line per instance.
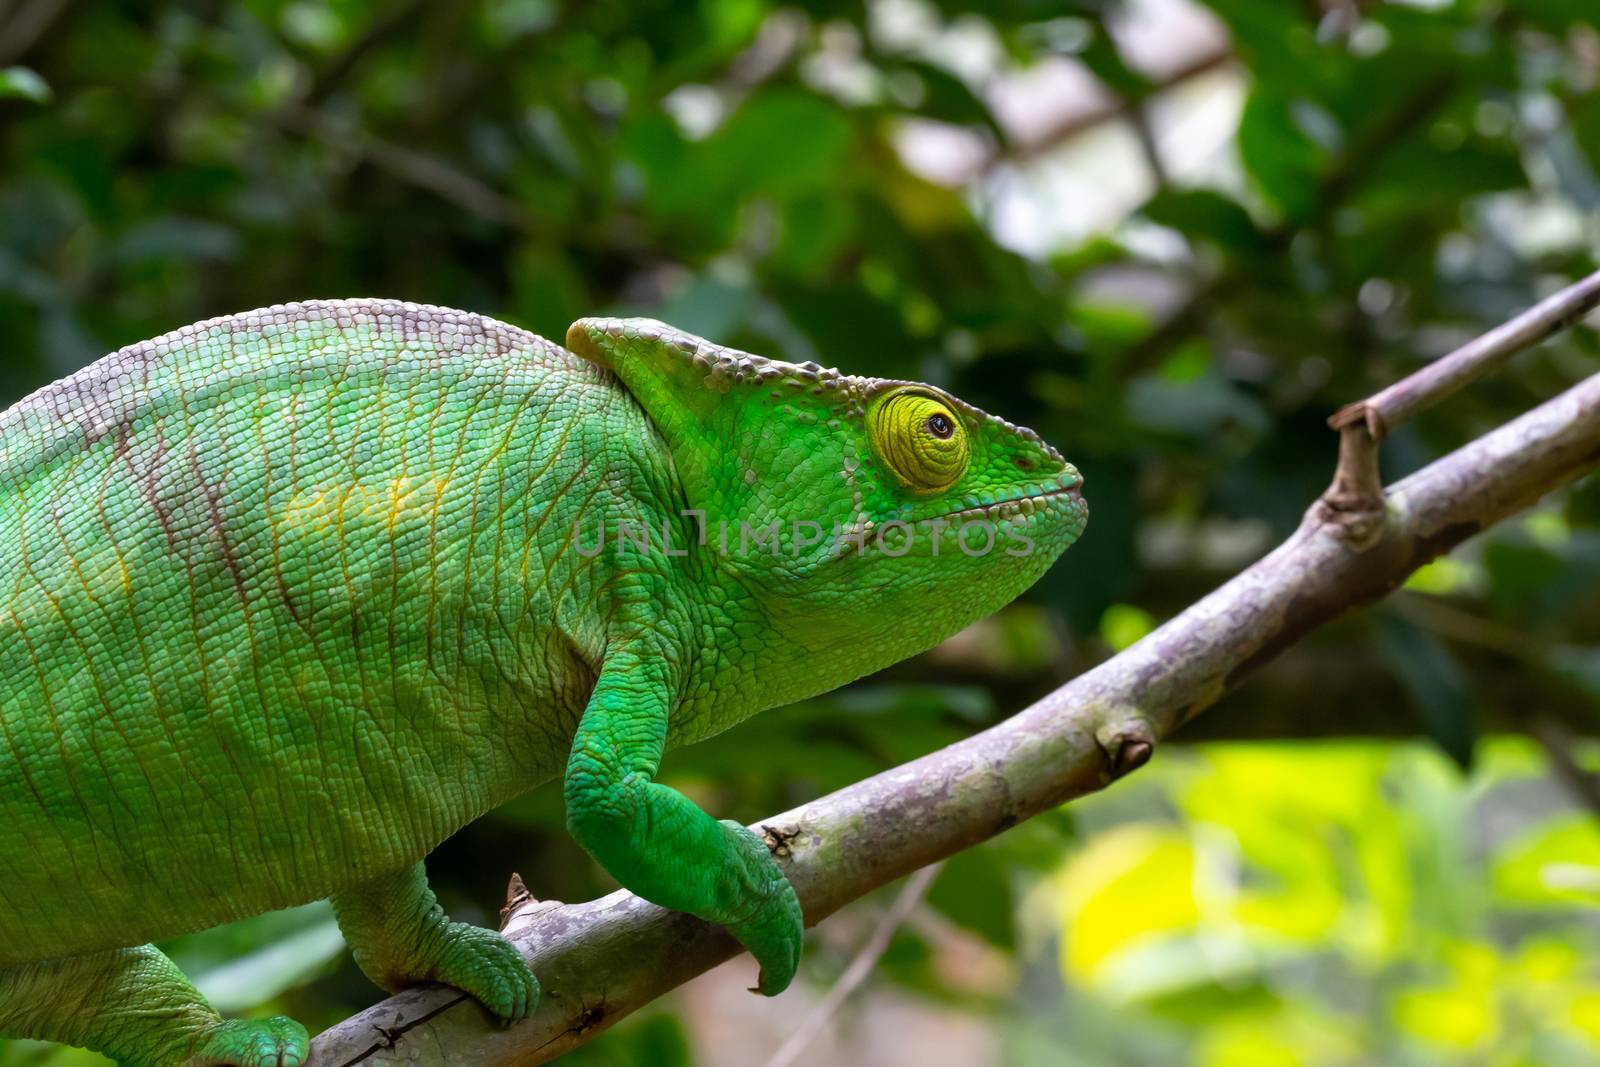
column 289, row 596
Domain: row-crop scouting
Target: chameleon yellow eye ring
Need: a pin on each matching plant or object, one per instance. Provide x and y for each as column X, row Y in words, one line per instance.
column 920, row 439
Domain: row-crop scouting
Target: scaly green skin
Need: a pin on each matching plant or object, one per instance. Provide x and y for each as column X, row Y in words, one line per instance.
column 297, row 593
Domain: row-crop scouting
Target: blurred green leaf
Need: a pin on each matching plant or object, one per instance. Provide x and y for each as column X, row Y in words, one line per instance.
column 1124, row 624
column 1557, row 863
column 265, row 973
column 1305, row 897
column 25, row 84
column 1519, row 572
column 948, row 98
column 1102, row 56
column 974, row 891
column 1284, row 161
column 1206, row 215
column 1438, row 686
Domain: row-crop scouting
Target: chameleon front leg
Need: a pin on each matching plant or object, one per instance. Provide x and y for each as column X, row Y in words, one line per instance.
column 400, row 936
column 134, row 1005
column 655, row 841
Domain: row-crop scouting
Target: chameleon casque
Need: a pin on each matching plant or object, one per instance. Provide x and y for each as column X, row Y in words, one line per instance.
column 288, row 597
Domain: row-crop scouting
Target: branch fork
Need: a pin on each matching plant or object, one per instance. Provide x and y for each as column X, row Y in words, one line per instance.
column 1354, row 506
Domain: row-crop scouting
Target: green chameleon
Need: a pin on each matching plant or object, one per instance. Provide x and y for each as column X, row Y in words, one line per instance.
column 288, row 597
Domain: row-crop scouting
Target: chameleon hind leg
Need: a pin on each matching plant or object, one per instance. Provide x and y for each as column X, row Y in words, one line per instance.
column 134, row 1005
column 400, row 936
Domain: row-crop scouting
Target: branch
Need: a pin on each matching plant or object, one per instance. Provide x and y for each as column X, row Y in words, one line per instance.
column 1403, row 400
column 1355, row 499
column 603, row 959
column 25, row 26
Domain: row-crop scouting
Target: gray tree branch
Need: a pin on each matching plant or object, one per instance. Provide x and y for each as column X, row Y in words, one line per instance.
column 24, row 25
column 1403, row 400
column 1355, row 499
column 603, row 959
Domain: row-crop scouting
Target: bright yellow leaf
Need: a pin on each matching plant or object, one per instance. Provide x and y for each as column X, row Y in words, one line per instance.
column 1132, row 883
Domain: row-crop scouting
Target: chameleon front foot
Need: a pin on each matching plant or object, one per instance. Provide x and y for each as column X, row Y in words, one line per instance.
column 772, row 926
column 275, row 1042
column 654, row 840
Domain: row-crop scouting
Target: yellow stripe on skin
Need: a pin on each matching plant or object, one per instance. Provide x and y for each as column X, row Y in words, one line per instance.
column 388, row 503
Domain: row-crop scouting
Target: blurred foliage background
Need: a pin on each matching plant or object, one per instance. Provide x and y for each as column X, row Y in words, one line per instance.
column 1172, row 236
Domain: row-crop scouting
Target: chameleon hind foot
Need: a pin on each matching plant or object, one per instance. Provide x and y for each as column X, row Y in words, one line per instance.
column 275, row 1042
column 134, row 1005
column 486, row 965
column 399, row 936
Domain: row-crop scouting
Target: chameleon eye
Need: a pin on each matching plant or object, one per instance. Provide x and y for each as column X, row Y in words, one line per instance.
column 919, row 439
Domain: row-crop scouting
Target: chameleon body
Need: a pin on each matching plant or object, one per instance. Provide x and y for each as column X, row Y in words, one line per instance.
column 288, row 597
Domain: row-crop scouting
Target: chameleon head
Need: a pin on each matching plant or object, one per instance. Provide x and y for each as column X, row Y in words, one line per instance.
column 869, row 518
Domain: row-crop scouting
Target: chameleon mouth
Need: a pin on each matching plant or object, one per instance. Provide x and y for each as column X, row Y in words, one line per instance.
column 1059, row 498
column 1033, row 500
